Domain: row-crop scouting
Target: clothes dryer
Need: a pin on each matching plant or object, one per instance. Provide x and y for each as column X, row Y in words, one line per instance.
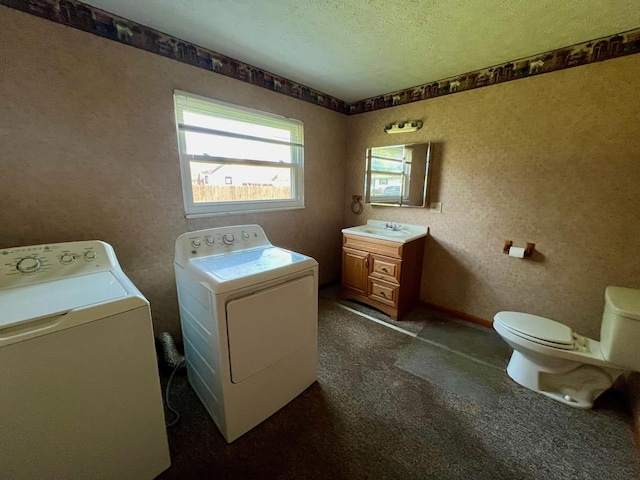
column 249, row 314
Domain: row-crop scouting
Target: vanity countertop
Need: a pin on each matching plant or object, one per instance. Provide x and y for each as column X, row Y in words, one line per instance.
column 390, row 231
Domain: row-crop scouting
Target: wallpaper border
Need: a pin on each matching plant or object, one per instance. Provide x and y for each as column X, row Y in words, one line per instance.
column 107, row 25
column 75, row 14
column 600, row 49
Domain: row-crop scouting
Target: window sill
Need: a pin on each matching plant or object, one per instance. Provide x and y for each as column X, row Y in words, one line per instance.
column 241, row 212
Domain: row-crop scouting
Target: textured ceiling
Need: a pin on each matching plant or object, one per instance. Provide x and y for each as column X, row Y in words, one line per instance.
column 357, row 49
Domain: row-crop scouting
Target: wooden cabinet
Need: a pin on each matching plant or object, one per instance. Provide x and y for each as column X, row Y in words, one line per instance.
column 383, row 274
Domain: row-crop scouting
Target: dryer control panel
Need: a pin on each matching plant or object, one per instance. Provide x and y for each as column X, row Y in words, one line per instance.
column 21, row 266
column 214, row 241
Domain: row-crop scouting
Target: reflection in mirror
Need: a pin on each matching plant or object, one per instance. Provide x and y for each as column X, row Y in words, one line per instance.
column 397, row 175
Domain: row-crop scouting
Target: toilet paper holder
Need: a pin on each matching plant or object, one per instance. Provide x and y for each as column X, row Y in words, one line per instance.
column 528, row 250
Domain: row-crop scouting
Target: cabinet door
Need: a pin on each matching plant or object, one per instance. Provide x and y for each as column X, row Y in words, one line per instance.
column 355, row 270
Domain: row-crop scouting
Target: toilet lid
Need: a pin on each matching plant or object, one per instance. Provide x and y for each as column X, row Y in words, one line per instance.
column 537, row 328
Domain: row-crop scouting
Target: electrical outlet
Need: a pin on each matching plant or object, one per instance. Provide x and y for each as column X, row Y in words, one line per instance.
column 435, row 207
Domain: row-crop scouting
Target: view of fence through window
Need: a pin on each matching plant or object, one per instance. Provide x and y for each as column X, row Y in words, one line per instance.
column 237, row 159
column 239, row 167
column 389, row 170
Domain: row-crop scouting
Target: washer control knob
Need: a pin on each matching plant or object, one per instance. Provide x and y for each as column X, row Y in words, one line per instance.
column 196, row 243
column 210, row 240
column 245, row 236
column 90, row 255
column 228, row 238
column 66, row 258
column 29, row 265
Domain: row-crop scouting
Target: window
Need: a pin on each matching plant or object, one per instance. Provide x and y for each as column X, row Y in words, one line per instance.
column 235, row 159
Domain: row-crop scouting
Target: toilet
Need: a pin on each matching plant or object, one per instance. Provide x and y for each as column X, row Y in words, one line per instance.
column 551, row 359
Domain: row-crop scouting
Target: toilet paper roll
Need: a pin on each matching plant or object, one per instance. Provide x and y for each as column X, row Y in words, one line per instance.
column 517, row 252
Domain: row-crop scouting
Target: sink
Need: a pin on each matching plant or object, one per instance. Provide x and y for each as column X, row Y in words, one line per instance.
column 376, row 229
column 386, row 232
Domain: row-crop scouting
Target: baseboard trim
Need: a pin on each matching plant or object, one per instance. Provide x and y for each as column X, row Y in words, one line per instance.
column 460, row 315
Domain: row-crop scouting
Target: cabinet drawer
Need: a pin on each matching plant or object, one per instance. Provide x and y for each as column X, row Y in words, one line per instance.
column 373, row 245
column 385, row 268
column 383, row 292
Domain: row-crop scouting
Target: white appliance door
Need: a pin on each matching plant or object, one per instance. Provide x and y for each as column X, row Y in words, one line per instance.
column 269, row 325
column 84, row 403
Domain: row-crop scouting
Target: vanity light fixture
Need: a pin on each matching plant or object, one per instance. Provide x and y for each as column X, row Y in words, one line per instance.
column 403, row 127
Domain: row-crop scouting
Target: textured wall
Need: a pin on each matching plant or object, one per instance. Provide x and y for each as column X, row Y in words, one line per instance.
column 89, row 151
column 554, row 160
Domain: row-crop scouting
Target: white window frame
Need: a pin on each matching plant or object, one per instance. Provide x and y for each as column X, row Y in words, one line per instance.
column 192, row 209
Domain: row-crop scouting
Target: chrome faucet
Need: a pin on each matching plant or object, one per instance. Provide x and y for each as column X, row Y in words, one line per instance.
column 392, row 226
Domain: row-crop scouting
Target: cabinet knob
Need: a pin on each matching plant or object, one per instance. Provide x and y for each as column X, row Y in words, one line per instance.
column 384, row 269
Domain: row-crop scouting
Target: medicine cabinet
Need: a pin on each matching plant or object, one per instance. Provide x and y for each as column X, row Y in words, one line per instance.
column 398, row 175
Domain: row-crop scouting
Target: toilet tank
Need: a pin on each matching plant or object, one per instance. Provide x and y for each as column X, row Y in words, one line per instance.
column 620, row 330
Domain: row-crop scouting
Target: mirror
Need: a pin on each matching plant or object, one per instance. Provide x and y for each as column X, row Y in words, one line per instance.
column 397, row 175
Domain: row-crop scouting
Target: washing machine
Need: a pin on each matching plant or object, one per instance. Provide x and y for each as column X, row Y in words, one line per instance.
column 249, row 315
column 79, row 388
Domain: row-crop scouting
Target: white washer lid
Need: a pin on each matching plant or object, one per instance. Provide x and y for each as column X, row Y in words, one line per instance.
column 536, row 327
column 624, row 301
column 24, row 304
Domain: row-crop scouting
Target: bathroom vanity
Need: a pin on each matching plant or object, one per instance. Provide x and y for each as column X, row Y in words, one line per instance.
column 382, row 265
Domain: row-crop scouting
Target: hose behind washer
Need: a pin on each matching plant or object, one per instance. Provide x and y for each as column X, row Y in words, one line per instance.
column 175, row 361
column 170, row 353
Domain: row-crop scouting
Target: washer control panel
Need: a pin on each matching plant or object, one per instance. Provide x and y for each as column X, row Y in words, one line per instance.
column 219, row 240
column 34, row 264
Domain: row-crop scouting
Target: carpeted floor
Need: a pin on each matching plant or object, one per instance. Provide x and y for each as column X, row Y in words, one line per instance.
column 389, row 405
column 411, row 323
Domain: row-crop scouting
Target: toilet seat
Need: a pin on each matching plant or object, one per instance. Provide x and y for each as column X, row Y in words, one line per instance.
column 537, row 329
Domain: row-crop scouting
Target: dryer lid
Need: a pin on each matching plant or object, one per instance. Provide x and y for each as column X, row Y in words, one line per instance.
column 242, row 268
column 536, row 327
column 244, row 263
